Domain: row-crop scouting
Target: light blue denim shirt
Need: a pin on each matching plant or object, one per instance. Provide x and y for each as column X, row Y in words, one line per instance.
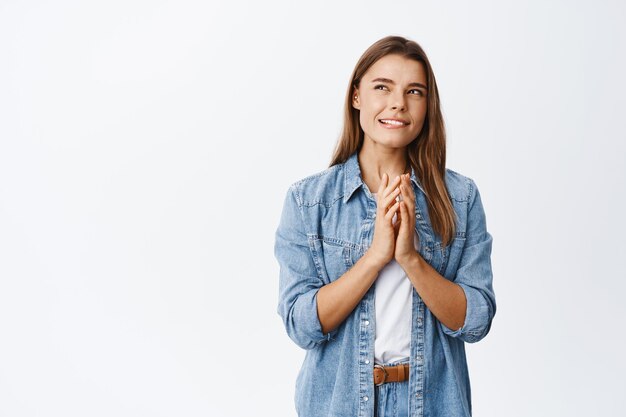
column 326, row 225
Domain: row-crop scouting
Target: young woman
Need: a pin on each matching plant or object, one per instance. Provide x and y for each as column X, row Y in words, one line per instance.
column 385, row 259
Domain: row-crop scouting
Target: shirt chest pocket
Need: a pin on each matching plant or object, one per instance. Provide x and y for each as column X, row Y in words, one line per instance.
column 332, row 256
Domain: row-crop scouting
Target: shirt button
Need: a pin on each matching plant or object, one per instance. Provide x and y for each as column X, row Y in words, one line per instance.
column 365, row 398
column 367, row 322
column 367, row 361
column 419, row 394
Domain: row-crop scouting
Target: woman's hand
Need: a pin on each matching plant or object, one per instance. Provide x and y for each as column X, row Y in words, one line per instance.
column 383, row 242
column 405, row 223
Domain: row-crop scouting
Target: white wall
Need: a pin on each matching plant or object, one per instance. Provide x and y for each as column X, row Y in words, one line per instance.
column 146, row 146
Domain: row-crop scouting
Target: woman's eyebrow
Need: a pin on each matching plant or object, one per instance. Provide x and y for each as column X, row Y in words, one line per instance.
column 387, row 80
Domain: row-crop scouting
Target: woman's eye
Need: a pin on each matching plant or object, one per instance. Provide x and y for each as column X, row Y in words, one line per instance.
column 380, row 85
column 418, row 91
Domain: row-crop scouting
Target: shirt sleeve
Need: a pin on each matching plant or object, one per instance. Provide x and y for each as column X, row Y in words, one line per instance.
column 298, row 278
column 474, row 274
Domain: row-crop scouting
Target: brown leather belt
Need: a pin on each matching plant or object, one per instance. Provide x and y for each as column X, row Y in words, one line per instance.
column 396, row 373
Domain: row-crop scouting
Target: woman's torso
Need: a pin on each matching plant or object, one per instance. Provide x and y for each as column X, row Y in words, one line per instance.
column 338, row 212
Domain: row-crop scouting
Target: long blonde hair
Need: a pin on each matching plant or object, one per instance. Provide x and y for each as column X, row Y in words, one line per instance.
column 426, row 153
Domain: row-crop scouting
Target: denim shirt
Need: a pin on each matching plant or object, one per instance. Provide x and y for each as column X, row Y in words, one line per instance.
column 326, row 225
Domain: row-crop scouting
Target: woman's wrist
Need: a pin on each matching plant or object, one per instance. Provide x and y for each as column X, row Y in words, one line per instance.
column 372, row 262
column 412, row 260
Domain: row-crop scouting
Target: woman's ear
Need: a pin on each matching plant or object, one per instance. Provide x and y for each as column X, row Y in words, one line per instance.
column 355, row 99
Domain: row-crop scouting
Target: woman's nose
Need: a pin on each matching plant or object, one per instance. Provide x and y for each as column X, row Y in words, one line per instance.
column 397, row 101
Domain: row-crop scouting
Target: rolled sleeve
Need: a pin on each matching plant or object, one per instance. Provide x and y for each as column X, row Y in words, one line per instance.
column 474, row 275
column 298, row 278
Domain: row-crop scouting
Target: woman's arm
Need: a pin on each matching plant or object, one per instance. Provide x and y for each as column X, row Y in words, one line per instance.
column 470, row 295
column 335, row 301
column 445, row 299
column 311, row 310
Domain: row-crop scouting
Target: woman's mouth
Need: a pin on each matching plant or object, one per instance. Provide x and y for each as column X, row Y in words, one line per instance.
column 392, row 123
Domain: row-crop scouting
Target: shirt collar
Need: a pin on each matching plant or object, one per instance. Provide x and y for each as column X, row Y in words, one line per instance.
column 354, row 180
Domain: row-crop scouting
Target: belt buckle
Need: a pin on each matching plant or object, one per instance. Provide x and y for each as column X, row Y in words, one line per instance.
column 384, row 373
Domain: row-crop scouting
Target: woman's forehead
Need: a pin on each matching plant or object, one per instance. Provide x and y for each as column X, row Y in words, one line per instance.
column 398, row 69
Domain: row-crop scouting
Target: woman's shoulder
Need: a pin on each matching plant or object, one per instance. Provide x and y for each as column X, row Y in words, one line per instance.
column 460, row 187
column 324, row 186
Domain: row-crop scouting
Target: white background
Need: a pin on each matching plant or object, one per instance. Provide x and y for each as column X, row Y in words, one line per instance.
column 146, row 148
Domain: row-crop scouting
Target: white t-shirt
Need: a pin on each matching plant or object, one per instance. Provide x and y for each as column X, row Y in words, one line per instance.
column 393, row 301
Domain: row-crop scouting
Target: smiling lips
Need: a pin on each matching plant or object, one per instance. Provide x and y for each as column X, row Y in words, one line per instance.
column 393, row 123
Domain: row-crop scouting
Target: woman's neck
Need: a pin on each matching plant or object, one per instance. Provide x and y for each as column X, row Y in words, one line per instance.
column 374, row 163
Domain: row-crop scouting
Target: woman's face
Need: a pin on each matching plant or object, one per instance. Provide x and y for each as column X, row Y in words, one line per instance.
column 393, row 88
